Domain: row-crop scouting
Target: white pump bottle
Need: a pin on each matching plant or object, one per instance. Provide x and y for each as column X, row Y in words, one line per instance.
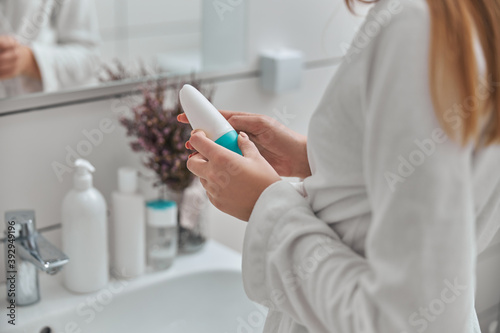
column 84, row 233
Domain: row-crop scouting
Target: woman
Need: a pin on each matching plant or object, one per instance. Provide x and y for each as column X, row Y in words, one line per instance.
column 46, row 45
column 401, row 188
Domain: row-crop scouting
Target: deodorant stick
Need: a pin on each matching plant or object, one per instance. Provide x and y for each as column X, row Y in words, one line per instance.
column 204, row 116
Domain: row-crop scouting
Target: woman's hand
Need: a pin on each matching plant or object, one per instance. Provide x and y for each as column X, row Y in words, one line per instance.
column 16, row 59
column 283, row 148
column 233, row 182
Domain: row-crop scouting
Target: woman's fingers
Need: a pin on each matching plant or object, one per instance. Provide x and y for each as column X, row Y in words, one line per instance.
column 8, row 57
column 229, row 114
column 197, row 165
column 7, row 42
column 182, row 118
column 204, row 145
column 251, row 125
column 7, row 73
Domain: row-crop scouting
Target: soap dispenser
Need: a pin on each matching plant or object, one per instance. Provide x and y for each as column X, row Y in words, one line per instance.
column 84, row 233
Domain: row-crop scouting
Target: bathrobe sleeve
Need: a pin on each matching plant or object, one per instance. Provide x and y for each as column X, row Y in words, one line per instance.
column 418, row 274
column 72, row 60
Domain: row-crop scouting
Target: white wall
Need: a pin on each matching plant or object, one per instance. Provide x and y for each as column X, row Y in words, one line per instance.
column 31, row 142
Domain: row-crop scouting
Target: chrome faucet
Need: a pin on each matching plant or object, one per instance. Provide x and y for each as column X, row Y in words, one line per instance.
column 26, row 252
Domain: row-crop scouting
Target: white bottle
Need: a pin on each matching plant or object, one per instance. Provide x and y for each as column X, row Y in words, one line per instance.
column 129, row 259
column 84, row 233
column 203, row 115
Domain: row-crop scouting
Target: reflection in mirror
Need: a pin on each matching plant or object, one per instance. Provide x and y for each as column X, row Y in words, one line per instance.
column 144, row 37
column 46, row 45
column 51, row 45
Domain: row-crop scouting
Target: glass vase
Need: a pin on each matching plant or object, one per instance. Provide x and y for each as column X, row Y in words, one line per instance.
column 192, row 219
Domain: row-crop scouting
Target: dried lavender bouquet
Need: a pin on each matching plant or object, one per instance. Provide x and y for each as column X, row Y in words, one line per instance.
column 158, row 133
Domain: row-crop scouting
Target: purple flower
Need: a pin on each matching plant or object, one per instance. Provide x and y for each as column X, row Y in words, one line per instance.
column 157, row 133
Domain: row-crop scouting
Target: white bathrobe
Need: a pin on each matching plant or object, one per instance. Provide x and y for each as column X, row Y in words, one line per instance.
column 64, row 37
column 384, row 236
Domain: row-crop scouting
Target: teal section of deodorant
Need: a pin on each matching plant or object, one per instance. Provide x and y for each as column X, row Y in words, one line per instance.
column 160, row 204
column 230, row 141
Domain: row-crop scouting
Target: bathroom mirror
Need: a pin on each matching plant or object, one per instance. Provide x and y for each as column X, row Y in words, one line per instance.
column 80, row 45
column 162, row 35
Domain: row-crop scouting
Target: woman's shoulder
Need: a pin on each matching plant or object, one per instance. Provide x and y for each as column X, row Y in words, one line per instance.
column 394, row 15
column 404, row 7
column 395, row 28
column 392, row 29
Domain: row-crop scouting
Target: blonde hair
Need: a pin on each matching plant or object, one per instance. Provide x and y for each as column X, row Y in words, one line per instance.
column 454, row 74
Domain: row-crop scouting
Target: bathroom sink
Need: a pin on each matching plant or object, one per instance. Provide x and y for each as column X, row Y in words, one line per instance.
column 202, row 293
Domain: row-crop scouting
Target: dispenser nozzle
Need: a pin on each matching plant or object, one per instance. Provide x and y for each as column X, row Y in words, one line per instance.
column 83, row 175
column 84, row 165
